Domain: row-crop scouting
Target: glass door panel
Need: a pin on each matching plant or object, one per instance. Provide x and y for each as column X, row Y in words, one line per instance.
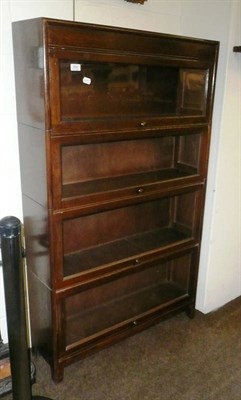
column 136, row 166
column 97, row 240
column 117, row 90
column 93, row 312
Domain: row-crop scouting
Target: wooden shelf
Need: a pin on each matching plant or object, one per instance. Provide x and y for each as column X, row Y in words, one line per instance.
column 132, row 246
column 89, row 321
column 134, row 180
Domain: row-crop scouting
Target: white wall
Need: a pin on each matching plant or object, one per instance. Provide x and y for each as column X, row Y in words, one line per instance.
column 219, row 279
column 220, row 275
column 10, row 189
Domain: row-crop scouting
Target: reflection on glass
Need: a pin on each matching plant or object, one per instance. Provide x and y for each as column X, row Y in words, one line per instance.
column 102, row 90
column 92, row 311
column 89, row 169
column 193, row 93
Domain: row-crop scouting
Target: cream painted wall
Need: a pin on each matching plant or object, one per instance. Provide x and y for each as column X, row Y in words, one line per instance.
column 220, row 275
column 219, row 279
column 10, row 189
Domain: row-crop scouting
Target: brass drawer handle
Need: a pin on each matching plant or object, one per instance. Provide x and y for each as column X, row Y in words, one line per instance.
column 143, row 124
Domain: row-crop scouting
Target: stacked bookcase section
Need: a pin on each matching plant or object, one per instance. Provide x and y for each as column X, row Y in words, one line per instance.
column 114, row 133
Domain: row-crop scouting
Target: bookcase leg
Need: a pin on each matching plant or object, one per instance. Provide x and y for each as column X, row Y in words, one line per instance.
column 57, row 374
column 190, row 311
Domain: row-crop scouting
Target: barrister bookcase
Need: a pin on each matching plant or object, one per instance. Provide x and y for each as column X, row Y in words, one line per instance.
column 114, row 130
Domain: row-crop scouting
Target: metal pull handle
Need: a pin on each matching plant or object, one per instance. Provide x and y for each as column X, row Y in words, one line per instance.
column 143, row 124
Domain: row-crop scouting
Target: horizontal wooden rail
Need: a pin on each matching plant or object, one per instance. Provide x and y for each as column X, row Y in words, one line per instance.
column 237, row 49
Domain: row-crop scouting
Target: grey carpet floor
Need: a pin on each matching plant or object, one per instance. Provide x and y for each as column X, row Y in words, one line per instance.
column 178, row 359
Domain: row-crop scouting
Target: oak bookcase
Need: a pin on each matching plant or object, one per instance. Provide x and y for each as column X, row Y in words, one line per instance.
column 114, row 131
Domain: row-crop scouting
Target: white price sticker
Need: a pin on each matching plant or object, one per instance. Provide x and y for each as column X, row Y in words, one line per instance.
column 75, row 67
column 86, row 80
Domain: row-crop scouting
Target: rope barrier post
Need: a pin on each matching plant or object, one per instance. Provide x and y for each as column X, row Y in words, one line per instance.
column 13, row 277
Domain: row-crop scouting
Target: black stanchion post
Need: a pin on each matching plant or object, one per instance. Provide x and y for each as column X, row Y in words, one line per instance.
column 10, row 229
column 13, row 277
